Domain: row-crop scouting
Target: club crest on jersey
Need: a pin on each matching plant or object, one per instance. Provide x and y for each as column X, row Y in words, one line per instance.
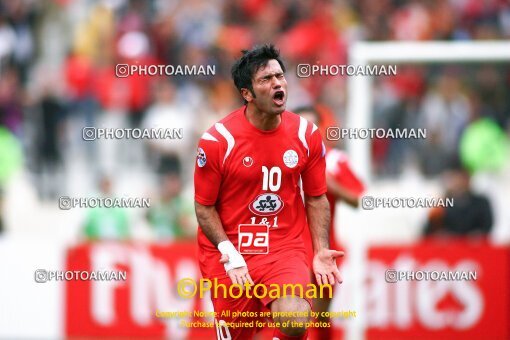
column 201, row 157
column 290, row 158
column 266, row 204
column 247, row 161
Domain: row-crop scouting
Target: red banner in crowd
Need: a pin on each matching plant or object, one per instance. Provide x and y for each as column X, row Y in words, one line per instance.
column 417, row 308
column 466, row 309
column 130, row 308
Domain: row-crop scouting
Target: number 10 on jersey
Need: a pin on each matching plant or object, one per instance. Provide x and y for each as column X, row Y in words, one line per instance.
column 271, row 178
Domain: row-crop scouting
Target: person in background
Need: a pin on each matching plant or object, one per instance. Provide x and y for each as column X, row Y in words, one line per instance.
column 168, row 111
column 49, row 145
column 444, row 113
column 171, row 218
column 1, row 210
column 471, row 213
column 107, row 223
column 11, row 163
column 343, row 185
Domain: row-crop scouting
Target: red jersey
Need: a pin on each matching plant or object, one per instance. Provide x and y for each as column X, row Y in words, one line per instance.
column 337, row 165
column 253, row 177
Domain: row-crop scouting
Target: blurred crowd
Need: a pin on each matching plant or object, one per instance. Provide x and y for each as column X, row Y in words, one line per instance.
column 57, row 75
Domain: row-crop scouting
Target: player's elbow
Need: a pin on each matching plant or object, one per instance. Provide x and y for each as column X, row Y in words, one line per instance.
column 203, row 212
column 316, row 200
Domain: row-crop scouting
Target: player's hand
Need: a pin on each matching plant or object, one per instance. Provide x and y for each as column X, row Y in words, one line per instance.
column 237, row 275
column 325, row 268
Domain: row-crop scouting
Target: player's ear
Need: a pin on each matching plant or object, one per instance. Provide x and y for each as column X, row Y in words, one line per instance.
column 247, row 95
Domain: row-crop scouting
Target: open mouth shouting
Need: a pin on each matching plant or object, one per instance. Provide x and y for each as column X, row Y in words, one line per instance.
column 279, row 98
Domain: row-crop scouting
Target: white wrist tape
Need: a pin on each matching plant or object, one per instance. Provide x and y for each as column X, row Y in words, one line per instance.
column 235, row 260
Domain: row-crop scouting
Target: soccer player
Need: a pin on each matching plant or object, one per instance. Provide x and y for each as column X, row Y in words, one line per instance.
column 250, row 169
column 343, row 185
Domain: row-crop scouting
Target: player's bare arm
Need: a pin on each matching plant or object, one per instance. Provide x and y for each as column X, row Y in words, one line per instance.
column 210, row 222
column 324, row 261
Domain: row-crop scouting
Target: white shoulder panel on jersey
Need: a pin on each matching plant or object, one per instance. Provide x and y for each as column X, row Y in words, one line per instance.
column 208, row 136
column 228, row 137
column 303, row 123
column 334, row 157
column 314, row 128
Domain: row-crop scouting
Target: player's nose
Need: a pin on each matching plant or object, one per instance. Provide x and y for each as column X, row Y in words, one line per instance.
column 277, row 83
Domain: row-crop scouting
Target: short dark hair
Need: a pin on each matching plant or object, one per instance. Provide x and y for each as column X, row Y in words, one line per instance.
column 246, row 66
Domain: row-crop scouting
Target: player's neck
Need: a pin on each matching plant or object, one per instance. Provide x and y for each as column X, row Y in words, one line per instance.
column 262, row 120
